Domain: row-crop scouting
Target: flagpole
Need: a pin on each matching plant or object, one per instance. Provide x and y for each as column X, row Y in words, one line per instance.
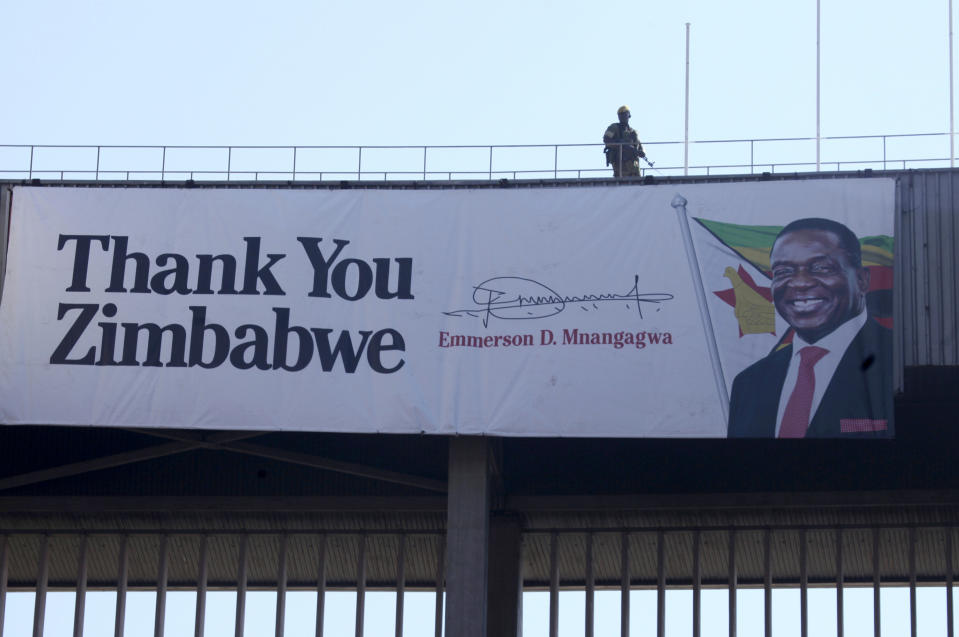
column 679, row 204
column 818, row 83
column 686, row 143
column 952, row 125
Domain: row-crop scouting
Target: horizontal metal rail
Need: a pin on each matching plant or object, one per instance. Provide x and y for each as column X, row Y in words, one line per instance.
column 463, row 162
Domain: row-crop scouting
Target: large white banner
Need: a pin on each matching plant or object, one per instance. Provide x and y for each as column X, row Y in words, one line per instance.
column 590, row 311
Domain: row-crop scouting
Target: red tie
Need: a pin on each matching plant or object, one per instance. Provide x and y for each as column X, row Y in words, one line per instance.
column 796, row 417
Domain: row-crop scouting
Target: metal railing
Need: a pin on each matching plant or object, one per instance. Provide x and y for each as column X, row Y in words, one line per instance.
column 470, row 162
column 650, row 561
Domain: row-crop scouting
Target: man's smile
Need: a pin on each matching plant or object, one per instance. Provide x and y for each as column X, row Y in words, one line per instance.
column 808, row 304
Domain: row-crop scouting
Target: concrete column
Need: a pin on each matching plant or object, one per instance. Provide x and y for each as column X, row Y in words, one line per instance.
column 505, row 576
column 467, row 536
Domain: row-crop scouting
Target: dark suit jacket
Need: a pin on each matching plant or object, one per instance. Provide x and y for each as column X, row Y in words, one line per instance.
column 859, row 395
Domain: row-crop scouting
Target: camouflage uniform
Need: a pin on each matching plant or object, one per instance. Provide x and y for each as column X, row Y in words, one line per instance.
column 623, row 150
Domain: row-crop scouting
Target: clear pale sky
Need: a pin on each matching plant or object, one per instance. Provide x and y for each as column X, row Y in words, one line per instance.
column 325, row 72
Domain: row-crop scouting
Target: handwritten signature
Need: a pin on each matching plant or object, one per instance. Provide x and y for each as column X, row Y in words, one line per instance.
column 514, row 298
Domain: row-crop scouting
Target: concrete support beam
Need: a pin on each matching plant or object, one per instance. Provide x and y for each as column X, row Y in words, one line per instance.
column 467, row 536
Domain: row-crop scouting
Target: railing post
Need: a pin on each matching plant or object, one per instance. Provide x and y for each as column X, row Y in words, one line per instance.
column 491, row 165
column 294, row 163
column 3, row 579
column 590, row 587
column 556, row 161
column 876, row 588
column 752, row 156
column 199, row 625
column 123, row 572
column 98, row 164
column 242, row 569
column 80, row 602
column 40, row 598
column 30, row 173
column 163, row 571
column 229, row 161
column 424, row 163
column 359, row 162
column 163, row 166
column 883, row 152
column 950, row 611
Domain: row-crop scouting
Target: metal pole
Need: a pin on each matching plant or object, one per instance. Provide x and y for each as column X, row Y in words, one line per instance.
column 661, row 584
column 359, row 162
column 768, row 582
column 732, row 583
column 79, row 605
column 98, row 163
column 424, row 163
column 440, row 576
column 590, row 586
column 229, row 162
column 839, row 585
column 3, row 579
column 320, row 585
column 122, row 576
column 400, row 585
column 686, row 135
column 281, row 586
column 239, row 625
column 875, row 583
column 294, row 163
column 952, row 121
column 40, row 601
column 554, row 584
column 163, row 569
column 949, row 604
column 818, row 87
column 803, row 585
column 912, row 581
column 200, row 624
column 361, row 587
column 697, row 583
column 624, row 586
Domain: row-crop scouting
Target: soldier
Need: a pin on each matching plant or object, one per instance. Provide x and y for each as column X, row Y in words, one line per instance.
column 623, row 149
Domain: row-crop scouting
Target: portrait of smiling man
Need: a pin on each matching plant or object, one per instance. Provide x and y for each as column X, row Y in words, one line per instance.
column 835, row 379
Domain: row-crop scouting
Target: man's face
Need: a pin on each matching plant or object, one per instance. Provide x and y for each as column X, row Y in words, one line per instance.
column 815, row 288
column 624, row 118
